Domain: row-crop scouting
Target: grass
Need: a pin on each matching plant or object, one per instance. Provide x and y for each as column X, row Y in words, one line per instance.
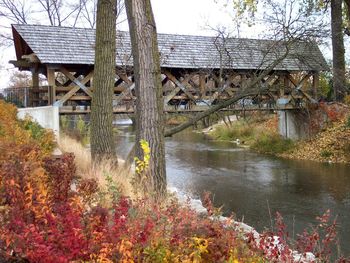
column 239, row 130
column 258, row 133
column 102, row 173
column 272, row 144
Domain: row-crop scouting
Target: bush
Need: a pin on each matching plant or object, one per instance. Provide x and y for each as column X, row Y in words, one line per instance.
column 272, row 144
column 347, row 124
column 23, row 131
column 325, row 154
column 239, row 130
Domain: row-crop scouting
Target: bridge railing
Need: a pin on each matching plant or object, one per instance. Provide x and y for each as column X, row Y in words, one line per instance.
column 24, row 97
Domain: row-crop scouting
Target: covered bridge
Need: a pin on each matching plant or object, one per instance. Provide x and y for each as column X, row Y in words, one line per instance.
column 196, row 70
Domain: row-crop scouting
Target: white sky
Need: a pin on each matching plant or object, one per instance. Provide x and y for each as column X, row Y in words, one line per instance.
column 172, row 16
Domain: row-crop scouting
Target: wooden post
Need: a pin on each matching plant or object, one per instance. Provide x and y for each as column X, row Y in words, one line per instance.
column 315, row 84
column 286, row 84
column 202, row 84
column 52, row 85
column 34, row 97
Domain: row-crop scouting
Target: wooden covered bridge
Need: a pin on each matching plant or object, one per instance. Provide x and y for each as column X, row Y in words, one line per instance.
column 197, row 71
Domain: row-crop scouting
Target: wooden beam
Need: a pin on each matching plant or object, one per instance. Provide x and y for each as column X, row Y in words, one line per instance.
column 76, row 81
column 124, row 77
column 69, row 82
column 315, row 84
column 202, row 86
column 52, row 85
column 179, row 84
column 69, row 94
column 177, row 89
column 118, row 98
column 22, row 63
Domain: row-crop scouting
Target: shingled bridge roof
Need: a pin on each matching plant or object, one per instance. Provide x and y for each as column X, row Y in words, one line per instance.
column 75, row 46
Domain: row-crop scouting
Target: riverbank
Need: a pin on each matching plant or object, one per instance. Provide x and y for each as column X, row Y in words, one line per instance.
column 259, row 132
column 331, row 144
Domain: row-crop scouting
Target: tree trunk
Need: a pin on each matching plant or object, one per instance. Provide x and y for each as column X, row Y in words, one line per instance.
column 148, row 87
column 102, row 141
column 338, row 49
column 347, row 17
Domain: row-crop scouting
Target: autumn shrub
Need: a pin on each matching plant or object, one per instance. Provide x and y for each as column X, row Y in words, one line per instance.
column 46, row 221
column 23, row 131
column 48, row 215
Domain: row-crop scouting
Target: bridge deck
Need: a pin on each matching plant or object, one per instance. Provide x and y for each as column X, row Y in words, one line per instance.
column 183, row 110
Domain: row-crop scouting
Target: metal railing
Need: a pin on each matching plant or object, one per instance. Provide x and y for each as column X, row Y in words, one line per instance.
column 24, row 97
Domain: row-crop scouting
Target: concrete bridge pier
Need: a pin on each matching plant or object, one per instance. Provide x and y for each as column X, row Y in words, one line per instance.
column 293, row 125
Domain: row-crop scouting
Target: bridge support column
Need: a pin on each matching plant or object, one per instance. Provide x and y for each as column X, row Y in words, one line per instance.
column 292, row 125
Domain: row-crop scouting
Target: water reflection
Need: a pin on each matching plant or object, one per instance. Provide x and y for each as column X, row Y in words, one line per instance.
column 249, row 184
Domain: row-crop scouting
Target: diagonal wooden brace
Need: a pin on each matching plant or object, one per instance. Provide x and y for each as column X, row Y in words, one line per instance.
column 179, row 85
column 74, row 90
column 76, row 81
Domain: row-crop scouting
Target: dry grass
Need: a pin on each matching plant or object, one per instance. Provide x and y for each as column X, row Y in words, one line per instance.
column 86, row 170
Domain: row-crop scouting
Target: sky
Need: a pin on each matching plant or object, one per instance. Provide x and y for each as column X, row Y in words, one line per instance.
column 193, row 17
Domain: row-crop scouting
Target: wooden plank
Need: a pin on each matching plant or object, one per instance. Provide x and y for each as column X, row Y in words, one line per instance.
column 76, row 81
column 179, row 84
column 176, row 90
column 74, row 89
column 117, row 99
column 315, row 84
column 222, row 89
column 165, row 80
column 125, row 78
column 52, row 84
column 69, row 81
column 202, row 86
column 77, row 97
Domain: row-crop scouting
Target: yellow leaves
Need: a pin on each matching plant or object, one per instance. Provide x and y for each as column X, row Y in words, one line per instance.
column 200, row 246
column 125, row 250
column 329, row 145
column 104, row 254
column 28, row 192
column 142, row 165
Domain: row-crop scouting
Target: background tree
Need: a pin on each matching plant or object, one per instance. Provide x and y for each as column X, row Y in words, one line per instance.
column 339, row 23
column 148, row 86
column 70, row 13
column 286, row 27
column 339, row 81
column 102, row 140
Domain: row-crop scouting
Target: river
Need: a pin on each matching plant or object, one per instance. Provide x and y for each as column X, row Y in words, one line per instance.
column 252, row 185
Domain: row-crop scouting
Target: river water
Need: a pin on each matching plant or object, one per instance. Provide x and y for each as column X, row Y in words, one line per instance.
column 253, row 186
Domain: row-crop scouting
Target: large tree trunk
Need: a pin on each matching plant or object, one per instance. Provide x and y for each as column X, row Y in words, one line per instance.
column 148, row 86
column 338, row 49
column 102, row 141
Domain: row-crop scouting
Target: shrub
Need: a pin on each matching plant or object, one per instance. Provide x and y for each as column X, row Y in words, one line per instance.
column 347, row 100
column 325, row 153
column 239, row 130
column 347, row 124
column 272, row 144
column 44, row 138
column 23, row 131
